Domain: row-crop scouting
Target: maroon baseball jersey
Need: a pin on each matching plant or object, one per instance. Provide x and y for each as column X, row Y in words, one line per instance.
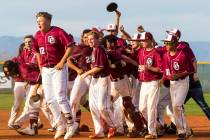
column 114, row 56
column 28, row 56
column 99, row 59
column 151, row 58
column 175, row 64
column 29, row 72
column 51, row 45
column 81, row 57
column 184, row 46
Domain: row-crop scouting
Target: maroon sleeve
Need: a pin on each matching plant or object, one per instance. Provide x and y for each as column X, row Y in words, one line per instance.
column 76, row 53
column 186, row 48
column 65, row 39
column 35, row 47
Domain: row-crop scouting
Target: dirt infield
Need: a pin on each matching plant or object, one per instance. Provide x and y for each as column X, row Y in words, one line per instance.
column 199, row 124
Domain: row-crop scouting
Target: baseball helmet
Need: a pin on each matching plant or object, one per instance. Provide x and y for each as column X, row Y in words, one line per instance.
column 111, row 7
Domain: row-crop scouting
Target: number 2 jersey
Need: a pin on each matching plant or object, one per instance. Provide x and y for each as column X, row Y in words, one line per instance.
column 51, row 45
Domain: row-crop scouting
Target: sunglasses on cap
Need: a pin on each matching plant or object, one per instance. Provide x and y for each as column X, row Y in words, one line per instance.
column 169, row 43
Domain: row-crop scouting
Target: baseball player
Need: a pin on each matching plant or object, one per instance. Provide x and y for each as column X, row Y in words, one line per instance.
column 150, row 67
column 176, row 68
column 80, row 61
column 164, row 102
column 99, row 97
column 28, row 57
column 20, row 93
column 119, row 79
column 195, row 89
column 135, row 47
column 53, row 46
column 30, row 73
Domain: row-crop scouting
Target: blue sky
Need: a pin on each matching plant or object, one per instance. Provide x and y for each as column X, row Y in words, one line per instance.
column 192, row 17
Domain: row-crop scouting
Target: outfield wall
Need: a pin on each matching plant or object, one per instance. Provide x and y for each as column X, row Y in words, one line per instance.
column 203, row 71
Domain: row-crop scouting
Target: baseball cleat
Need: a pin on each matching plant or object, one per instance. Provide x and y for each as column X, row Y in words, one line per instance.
column 97, row 136
column 14, row 126
column 150, row 136
column 71, row 130
column 59, row 133
column 171, row 129
column 190, row 133
column 160, row 131
column 111, row 132
column 181, row 136
column 26, row 131
column 53, row 129
column 135, row 134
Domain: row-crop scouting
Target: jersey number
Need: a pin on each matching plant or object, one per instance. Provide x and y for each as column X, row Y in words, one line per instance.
column 88, row 59
column 41, row 50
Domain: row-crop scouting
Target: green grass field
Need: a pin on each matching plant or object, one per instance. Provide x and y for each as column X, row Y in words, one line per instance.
column 191, row 108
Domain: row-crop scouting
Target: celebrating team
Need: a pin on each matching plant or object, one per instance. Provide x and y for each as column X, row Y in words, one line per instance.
column 123, row 77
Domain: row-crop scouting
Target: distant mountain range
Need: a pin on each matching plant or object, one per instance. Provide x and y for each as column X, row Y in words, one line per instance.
column 9, row 48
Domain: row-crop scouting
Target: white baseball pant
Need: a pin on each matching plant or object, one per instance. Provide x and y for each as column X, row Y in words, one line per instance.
column 149, row 97
column 178, row 90
column 79, row 89
column 164, row 101
column 55, row 91
column 100, row 103
column 135, row 91
column 20, row 93
column 27, row 108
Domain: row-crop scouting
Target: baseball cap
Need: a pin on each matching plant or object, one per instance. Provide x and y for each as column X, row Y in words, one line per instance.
column 146, row 36
column 111, row 27
column 170, row 38
column 175, row 32
column 97, row 29
column 135, row 37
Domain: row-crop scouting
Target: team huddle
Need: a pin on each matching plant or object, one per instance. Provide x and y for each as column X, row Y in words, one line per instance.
column 129, row 80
